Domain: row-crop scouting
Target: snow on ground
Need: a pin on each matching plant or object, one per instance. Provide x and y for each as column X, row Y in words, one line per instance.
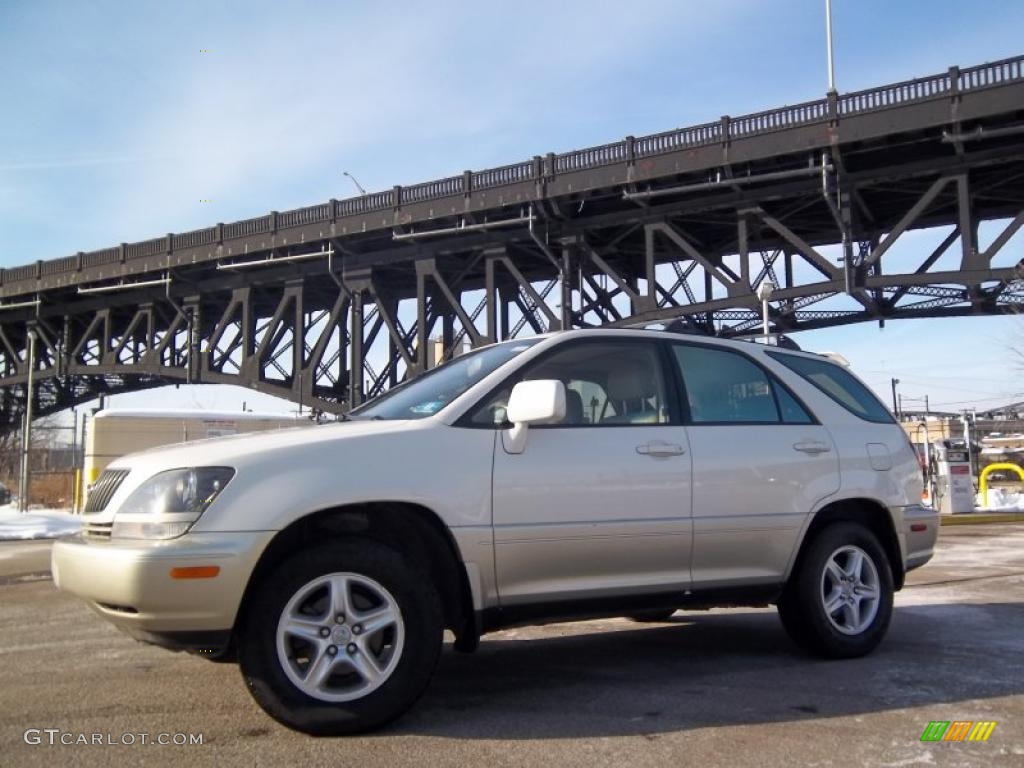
column 37, row 523
column 1004, row 500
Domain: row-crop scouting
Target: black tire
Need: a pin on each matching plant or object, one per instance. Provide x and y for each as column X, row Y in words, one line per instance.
column 801, row 606
column 653, row 616
column 421, row 616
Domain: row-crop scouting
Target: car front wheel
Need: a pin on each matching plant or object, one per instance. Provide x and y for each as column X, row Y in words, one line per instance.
column 340, row 639
column 838, row 603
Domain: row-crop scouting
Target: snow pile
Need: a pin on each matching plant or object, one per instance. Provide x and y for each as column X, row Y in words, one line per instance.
column 1004, row 500
column 37, row 523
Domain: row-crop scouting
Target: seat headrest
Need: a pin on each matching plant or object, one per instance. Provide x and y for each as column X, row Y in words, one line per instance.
column 573, row 407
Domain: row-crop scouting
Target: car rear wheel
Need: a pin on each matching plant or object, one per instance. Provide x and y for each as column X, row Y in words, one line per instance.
column 838, row 603
column 340, row 639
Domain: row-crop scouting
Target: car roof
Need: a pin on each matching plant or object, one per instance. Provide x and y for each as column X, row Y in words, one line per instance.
column 662, row 334
column 742, row 344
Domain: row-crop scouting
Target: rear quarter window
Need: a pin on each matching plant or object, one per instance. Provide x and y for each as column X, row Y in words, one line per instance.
column 839, row 384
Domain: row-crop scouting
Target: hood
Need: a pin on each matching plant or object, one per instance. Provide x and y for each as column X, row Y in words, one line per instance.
column 255, row 447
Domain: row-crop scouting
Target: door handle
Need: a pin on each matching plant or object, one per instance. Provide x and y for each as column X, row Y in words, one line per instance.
column 658, row 449
column 812, row 447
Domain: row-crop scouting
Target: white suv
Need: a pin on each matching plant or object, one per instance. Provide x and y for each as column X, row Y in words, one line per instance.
column 578, row 474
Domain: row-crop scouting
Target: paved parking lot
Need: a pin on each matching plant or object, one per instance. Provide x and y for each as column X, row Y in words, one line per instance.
column 714, row 688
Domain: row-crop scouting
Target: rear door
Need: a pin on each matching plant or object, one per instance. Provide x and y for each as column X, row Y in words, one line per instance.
column 761, row 463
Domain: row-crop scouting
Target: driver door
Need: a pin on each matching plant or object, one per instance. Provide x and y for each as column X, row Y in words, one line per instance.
column 598, row 505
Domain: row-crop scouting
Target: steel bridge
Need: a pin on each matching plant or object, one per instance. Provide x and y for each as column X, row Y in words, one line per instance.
column 331, row 304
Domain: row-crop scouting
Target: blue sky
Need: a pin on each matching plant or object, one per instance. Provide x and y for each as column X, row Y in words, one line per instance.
column 118, row 122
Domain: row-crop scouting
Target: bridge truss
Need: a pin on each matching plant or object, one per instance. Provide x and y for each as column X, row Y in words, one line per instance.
column 898, row 202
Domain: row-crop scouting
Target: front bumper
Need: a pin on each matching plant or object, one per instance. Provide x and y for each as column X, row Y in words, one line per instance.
column 129, row 583
column 919, row 533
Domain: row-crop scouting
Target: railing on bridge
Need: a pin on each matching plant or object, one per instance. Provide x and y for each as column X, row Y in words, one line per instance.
column 507, row 174
column 943, row 85
column 146, row 248
column 302, row 216
column 101, row 257
column 195, row 238
column 432, row 190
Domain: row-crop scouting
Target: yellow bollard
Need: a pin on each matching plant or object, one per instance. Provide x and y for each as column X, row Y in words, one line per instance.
column 983, row 479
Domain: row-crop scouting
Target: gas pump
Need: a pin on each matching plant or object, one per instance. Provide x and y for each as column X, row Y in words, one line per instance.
column 954, row 485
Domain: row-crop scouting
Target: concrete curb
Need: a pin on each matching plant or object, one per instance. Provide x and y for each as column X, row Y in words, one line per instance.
column 981, row 518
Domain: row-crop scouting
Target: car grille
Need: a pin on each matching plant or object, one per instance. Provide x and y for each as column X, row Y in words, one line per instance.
column 97, row 530
column 104, row 488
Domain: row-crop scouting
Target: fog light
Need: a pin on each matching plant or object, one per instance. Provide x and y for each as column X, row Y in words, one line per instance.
column 125, row 529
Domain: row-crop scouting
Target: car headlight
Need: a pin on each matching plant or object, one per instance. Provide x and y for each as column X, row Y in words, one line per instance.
column 168, row 504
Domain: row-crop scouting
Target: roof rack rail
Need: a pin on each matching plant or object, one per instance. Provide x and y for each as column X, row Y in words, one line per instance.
column 780, row 340
column 687, row 326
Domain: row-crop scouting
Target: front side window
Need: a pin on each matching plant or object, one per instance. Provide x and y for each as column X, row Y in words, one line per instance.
column 606, row 384
column 429, row 393
column 839, row 384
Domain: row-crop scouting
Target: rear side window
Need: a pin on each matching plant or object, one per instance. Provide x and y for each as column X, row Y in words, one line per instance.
column 724, row 387
column 839, row 384
column 792, row 411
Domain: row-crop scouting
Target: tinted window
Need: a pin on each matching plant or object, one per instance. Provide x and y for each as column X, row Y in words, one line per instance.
column 725, row 387
column 606, row 384
column 839, row 384
column 792, row 411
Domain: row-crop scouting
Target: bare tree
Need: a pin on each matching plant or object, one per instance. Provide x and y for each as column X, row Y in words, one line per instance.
column 44, row 435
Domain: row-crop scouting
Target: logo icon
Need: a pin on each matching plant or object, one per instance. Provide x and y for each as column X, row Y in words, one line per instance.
column 958, row 730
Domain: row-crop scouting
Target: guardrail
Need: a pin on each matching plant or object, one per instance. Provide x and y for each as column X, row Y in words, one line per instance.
column 949, row 83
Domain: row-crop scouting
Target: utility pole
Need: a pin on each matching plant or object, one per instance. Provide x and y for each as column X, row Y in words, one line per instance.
column 831, row 58
column 764, row 293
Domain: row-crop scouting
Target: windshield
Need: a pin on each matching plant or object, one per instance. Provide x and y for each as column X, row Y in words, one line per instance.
column 429, row 393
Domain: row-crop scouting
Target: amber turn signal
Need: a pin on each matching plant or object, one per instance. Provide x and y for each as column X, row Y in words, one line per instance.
column 195, row 572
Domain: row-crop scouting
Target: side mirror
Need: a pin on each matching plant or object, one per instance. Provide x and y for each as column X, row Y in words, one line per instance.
column 532, row 402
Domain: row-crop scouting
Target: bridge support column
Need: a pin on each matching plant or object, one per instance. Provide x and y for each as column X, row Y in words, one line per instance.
column 193, row 340
column 355, row 346
column 970, row 258
column 505, row 299
column 491, row 294
column 422, row 331
column 565, row 280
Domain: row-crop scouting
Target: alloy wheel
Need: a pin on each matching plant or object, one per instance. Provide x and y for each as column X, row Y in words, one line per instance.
column 850, row 590
column 340, row 637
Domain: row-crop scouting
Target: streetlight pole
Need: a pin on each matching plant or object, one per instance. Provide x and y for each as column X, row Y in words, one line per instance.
column 895, row 403
column 26, row 433
column 764, row 293
column 831, row 59
column 353, row 180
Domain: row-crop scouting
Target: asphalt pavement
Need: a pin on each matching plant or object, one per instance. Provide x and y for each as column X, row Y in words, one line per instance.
column 724, row 687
